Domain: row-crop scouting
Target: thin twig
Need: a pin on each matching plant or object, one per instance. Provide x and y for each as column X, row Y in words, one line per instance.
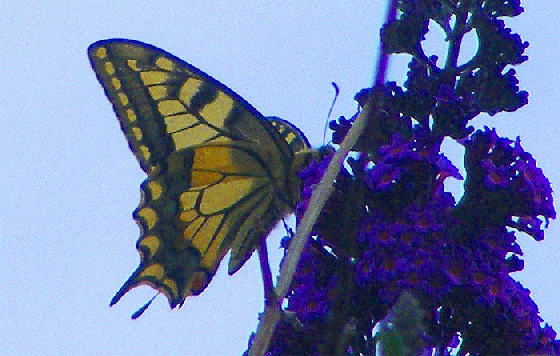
column 268, row 286
column 272, row 314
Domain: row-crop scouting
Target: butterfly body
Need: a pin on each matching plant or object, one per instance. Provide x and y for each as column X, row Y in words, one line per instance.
column 220, row 175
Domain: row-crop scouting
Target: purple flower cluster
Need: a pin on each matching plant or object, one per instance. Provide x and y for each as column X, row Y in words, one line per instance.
column 412, row 236
column 390, row 229
column 505, row 178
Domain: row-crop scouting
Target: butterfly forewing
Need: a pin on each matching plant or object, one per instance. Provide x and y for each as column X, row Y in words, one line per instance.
column 220, row 175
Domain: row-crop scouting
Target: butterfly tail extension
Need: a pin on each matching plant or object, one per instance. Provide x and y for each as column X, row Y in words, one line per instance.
column 155, row 275
column 169, row 262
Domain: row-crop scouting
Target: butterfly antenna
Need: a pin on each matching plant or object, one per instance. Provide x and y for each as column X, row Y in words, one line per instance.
column 144, row 307
column 336, row 92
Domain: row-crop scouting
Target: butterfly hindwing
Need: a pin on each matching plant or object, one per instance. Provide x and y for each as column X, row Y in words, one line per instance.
column 220, row 175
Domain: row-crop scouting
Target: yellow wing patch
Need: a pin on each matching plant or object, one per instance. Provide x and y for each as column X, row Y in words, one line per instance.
column 220, row 175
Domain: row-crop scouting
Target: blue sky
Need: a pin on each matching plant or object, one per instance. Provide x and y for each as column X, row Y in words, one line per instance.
column 70, row 182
